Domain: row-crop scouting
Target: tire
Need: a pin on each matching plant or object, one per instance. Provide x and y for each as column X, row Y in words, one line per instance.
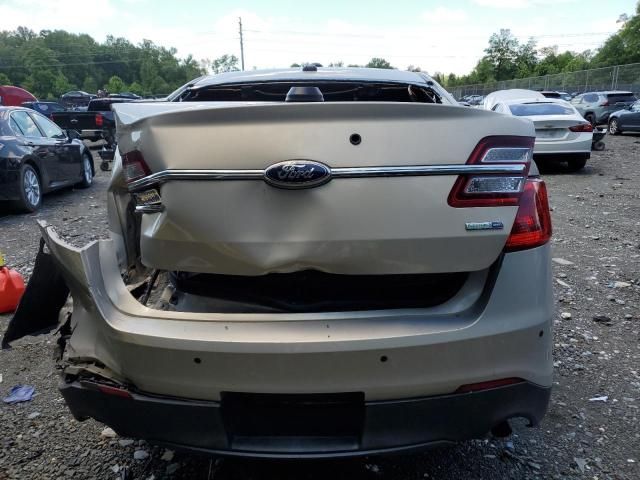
column 613, row 127
column 591, row 118
column 87, row 171
column 30, row 190
column 577, row 164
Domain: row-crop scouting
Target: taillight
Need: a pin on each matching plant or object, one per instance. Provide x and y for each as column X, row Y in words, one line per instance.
column 582, row 127
column 532, row 226
column 494, row 190
column 133, row 166
column 99, row 120
column 605, row 103
column 477, row 387
column 115, row 391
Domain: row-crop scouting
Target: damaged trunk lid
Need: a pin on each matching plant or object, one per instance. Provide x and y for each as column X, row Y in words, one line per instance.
column 360, row 188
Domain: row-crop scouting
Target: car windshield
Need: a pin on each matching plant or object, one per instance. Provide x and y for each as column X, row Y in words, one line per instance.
column 532, row 109
column 621, row 97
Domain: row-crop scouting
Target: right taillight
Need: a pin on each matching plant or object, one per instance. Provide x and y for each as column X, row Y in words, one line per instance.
column 133, row 166
column 532, row 226
column 582, row 127
column 99, row 120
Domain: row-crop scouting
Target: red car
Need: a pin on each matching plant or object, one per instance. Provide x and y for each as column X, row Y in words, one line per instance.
column 14, row 96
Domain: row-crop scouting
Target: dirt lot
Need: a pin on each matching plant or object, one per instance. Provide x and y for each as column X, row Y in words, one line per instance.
column 597, row 354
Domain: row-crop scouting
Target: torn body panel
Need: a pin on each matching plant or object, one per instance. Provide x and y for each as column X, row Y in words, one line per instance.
column 201, row 355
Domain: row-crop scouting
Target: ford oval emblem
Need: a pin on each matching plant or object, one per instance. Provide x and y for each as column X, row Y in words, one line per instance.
column 297, row 174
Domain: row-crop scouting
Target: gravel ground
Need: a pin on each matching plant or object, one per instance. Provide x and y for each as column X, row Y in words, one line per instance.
column 596, row 248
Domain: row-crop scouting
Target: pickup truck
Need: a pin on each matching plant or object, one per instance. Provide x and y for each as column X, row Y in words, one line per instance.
column 95, row 123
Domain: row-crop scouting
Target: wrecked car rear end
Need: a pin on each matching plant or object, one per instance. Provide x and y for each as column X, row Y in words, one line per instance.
column 312, row 279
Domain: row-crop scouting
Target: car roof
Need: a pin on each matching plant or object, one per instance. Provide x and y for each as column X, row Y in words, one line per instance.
column 522, row 101
column 607, row 92
column 322, row 74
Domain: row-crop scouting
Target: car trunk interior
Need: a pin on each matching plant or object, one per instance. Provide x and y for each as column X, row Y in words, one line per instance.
column 312, row 291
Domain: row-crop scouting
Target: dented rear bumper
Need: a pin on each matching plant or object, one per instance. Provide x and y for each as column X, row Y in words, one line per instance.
column 493, row 328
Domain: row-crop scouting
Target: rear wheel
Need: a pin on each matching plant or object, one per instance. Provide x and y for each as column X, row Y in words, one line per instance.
column 577, row 164
column 614, row 129
column 87, row 171
column 30, row 190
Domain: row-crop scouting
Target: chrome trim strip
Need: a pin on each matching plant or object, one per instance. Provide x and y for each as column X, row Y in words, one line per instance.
column 154, row 208
column 348, row 172
column 166, row 175
column 426, row 170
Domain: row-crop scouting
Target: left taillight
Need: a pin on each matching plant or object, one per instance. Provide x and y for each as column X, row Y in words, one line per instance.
column 134, row 167
column 582, row 127
column 494, row 190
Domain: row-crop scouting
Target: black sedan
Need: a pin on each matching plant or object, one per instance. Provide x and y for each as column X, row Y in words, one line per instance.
column 627, row 120
column 36, row 157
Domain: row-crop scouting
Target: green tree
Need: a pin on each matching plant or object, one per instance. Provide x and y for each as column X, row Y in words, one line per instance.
column 4, row 80
column 623, row 46
column 136, row 88
column 61, row 85
column 377, row 62
column 502, row 53
column 89, row 84
column 225, row 63
column 115, row 85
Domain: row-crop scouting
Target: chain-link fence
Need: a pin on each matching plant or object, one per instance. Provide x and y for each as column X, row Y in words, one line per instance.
column 619, row 77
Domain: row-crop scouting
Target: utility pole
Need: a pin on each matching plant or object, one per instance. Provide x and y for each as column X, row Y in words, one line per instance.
column 241, row 44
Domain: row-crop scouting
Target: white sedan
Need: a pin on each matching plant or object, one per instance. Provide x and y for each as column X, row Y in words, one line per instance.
column 561, row 132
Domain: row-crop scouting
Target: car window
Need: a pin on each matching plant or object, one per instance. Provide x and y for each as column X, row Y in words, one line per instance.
column 43, row 107
column 591, row 98
column 635, row 107
column 621, row 97
column 49, row 128
column 15, row 127
column 532, row 109
column 54, row 107
column 26, row 124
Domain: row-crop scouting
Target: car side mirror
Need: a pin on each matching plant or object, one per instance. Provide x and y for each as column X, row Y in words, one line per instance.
column 73, row 134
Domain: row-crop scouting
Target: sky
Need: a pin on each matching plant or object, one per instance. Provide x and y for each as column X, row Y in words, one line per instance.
column 436, row 35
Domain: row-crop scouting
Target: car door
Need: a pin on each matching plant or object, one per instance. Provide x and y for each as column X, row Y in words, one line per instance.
column 42, row 148
column 69, row 155
column 632, row 119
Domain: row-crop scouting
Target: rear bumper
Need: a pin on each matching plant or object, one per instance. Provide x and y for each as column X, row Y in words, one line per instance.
column 384, row 426
column 562, row 157
column 574, row 146
column 404, row 363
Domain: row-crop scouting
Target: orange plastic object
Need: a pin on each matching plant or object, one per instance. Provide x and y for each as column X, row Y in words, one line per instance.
column 11, row 289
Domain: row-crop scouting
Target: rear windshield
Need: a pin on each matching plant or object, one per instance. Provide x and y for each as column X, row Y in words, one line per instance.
column 531, row 109
column 621, row 97
column 332, row 91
